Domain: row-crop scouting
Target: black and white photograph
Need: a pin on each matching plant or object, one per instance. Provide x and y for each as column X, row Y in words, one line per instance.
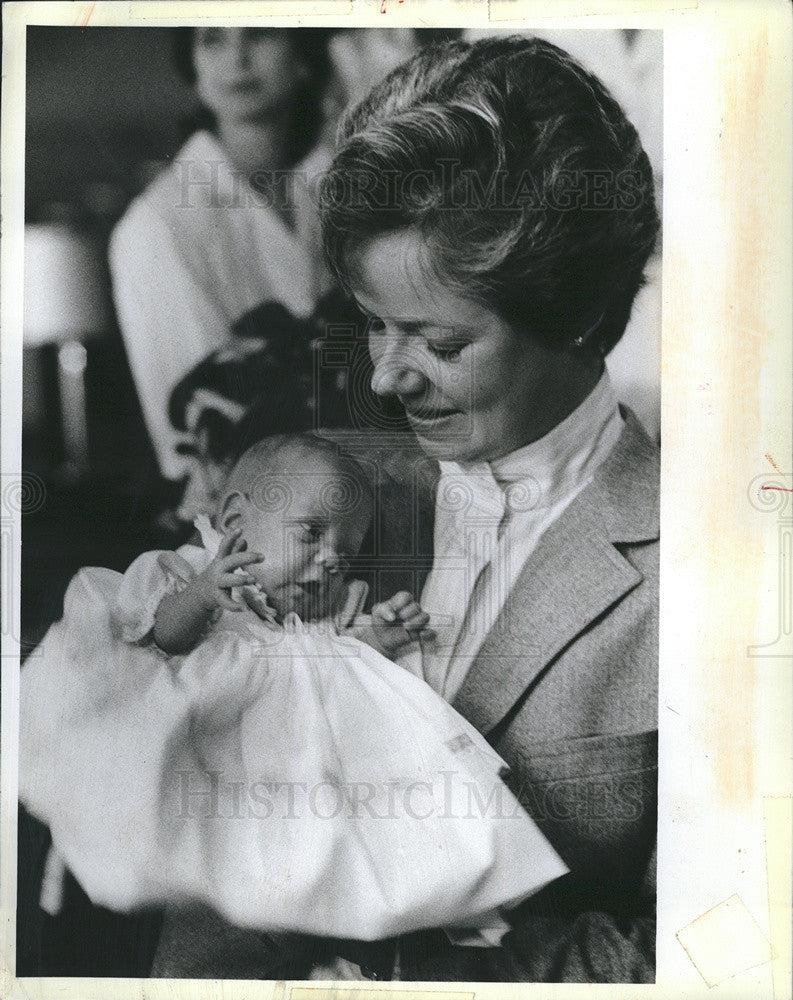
column 338, row 511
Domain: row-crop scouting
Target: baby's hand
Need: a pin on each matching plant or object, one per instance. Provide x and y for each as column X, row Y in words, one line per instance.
column 213, row 586
column 398, row 621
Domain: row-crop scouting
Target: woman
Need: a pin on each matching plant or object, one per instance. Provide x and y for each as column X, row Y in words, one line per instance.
column 492, row 211
column 229, row 225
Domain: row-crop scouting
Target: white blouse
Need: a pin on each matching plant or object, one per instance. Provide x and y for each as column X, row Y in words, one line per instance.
column 194, row 252
column 489, row 517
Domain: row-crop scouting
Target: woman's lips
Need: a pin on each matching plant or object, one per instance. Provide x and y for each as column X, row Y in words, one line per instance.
column 243, row 86
column 427, row 416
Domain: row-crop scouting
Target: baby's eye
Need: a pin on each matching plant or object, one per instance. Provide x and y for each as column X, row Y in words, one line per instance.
column 310, row 532
column 446, row 352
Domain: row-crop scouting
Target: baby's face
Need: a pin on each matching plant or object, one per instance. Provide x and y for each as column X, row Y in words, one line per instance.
column 306, row 523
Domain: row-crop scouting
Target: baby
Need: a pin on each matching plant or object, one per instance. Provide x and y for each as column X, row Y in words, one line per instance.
column 293, row 511
column 273, row 764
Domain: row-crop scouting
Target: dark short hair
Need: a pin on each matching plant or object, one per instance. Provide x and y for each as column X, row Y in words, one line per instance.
column 522, row 173
column 309, row 45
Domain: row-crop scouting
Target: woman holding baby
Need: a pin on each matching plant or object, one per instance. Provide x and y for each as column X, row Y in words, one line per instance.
column 491, row 211
column 493, row 293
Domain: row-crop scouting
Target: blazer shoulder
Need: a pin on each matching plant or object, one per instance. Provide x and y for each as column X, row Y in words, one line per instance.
column 626, row 487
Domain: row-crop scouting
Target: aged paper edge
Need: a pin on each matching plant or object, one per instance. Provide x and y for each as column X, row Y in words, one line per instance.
column 720, row 200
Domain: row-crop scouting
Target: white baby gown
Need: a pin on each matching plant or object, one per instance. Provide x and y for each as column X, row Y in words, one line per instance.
column 289, row 776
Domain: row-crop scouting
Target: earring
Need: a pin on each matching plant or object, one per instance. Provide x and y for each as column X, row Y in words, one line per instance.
column 582, row 339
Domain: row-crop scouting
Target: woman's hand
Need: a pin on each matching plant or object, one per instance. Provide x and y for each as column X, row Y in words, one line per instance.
column 213, row 586
column 399, row 621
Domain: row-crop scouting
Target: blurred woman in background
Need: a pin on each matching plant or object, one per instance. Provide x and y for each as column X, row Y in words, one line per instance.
column 229, row 225
column 219, row 278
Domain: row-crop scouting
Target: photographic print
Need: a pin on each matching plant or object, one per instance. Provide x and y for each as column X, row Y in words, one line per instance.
column 352, row 365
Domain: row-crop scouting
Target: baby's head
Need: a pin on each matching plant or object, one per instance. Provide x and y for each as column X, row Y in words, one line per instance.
column 307, row 509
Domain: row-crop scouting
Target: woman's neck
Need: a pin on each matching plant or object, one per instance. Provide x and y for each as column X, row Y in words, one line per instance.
column 254, row 145
column 579, row 382
column 579, row 385
column 257, row 149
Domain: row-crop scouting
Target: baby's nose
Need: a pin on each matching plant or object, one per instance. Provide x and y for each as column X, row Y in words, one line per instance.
column 331, row 560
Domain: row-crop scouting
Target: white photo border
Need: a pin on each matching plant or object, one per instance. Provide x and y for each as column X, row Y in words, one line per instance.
column 726, row 681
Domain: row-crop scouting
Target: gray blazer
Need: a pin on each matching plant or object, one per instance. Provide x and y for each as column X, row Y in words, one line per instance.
column 565, row 689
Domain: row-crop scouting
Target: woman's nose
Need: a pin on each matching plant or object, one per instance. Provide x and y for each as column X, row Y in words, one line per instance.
column 239, row 45
column 396, row 371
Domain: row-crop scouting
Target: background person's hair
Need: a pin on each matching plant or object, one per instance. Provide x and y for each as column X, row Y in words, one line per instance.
column 309, row 46
column 522, row 173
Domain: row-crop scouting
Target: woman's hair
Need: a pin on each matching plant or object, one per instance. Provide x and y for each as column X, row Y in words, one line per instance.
column 528, row 185
column 309, row 46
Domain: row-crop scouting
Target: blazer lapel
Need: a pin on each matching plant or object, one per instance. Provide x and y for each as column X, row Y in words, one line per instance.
column 573, row 576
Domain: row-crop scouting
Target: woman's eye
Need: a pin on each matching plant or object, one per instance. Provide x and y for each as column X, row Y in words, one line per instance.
column 310, row 533
column 447, row 352
column 375, row 324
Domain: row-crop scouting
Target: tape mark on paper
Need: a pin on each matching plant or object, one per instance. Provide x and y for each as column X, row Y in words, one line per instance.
column 512, row 10
column 725, row 941
column 778, row 823
column 352, row 993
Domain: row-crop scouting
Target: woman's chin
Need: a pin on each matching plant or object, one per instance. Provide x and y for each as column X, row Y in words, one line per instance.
column 448, row 437
column 447, row 448
column 250, row 108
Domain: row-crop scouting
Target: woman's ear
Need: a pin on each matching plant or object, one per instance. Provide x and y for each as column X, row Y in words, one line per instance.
column 230, row 515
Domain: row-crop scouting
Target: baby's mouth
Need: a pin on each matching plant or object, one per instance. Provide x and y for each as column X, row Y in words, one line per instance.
column 314, row 595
